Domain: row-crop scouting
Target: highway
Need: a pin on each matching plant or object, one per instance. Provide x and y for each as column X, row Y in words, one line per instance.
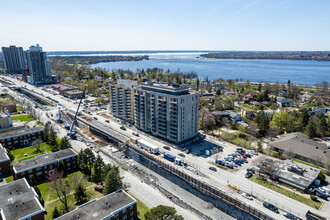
column 220, row 179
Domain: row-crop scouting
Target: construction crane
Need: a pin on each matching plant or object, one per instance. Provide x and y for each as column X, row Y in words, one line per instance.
column 72, row 133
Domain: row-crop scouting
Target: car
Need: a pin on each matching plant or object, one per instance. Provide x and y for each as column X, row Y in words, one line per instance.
column 271, row 207
column 248, row 175
column 135, row 133
column 248, row 155
column 244, row 156
column 107, row 121
column 187, row 151
column 181, row 155
column 213, row 169
column 167, row 148
column 290, row 216
column 229, row 166
column 250, row 170
column 123, row 128
column 95, row 118
column 247, row 196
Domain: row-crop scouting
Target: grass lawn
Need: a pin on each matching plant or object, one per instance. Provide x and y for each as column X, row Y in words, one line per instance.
column 49, row 194
column 9, row 179
column 288, row 193
column 142, row 209
column 19, row 154
column 39, row 123
column 24, row 117
column 19, row 108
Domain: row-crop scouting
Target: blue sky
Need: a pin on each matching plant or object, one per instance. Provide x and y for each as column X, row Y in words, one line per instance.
column 166, row 25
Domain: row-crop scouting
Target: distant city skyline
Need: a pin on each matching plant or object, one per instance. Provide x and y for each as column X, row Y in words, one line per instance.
column 257, row 25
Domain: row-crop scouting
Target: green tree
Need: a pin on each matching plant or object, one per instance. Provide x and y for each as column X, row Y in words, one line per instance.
column 113, row 181
column 10, row 155
column 46, row 132
column 65, row 143
column 310, row 130
column 80, row 193
column 60, row 166
column 89, row 159
column 52, row 139
column 41, row 200
column 56, row 213
column 303, row 119
column 262, row 122
column 280, row 121
column 197, row 84
column 162, row 212
column 97, row 170
column 82, row 162
column 37, row 145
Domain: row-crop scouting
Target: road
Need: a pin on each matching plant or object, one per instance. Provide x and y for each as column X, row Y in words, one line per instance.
column 219, row 179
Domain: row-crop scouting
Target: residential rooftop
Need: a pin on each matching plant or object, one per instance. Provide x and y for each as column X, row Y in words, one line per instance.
column 165, row 88
column 43, row 160
column 18, row 200
column 102, row 208
column 21, row 132
column 299, row 144
column 3, row 154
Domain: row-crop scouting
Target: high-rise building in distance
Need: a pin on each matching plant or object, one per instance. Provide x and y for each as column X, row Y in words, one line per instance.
column 167, row 112
column 14, row 58
column 39, row 66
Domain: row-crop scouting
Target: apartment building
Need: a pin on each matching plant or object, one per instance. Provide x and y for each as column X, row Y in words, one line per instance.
column 22, row 137
column 42, row 166
column 15, row 59
column 167, row 112
column 4, row 161
column 121, row 99
column 5, row 121
column 118, row 205
column 20, row 201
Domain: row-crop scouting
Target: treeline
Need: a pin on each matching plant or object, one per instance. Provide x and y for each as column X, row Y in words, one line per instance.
column 96, row 59
column 297, row 55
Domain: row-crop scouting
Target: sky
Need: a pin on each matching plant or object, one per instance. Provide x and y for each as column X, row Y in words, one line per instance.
column 106, row 25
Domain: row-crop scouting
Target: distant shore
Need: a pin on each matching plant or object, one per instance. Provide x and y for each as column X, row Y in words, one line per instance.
column 297, row 55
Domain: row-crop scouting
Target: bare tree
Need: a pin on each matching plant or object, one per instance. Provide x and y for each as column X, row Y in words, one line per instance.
column 61, row 187
column 37, row 145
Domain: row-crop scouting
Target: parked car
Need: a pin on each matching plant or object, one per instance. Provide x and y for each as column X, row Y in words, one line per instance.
column 107, row 121
column 135, row 133
column 290, row 216
column 95, row 118
column 181, row 155
column 187, row 151
column 167, row 148
column 248, row 155
column 123, row 128
column 250, row 170
column 229, row 166
column 247, row 196
column 248, row 175
column 213, row 169
column 271, row 207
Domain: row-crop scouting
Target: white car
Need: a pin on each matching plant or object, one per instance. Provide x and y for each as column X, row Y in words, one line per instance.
column 247, row 196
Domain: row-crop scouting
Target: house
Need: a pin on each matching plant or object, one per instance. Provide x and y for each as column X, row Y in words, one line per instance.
column 20, row 201
column 73, row 94
column 299, row 146
column 42, row 166
column 265, row 103
column 118, row 205
column 5, row 121
column 270, row 114
column 318, row 110
column 298, row 175
column 283, row 102
column 255, row 103
column 4, row 161
column 11, row 107
column 218, row 87
column 235, row 117
column 22, row 137
column 247, row 113
column 248, row 98
column 218, row 115
column 305, row 97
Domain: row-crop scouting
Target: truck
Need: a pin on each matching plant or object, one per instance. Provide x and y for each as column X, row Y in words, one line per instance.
column 148, row 146
column 169, row 157
column 178, row 162
column 67, row 127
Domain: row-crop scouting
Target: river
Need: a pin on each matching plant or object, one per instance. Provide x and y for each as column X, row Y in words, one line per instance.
column 306, row 72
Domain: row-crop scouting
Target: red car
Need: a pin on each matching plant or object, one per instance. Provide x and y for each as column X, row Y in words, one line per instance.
column 167, row 148
column 244, row 156
column 187, row 151
column 324, row 139
column 107, row 121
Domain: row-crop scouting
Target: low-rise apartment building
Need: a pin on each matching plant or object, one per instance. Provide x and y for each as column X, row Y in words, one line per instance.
column 4, row 161
column 167, row 112
column 21, row 138
column 118, row 205
column 43, row 166
column 20, row 201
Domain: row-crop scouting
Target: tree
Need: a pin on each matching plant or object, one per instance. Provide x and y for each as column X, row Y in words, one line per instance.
column 262, row 122
column 89, row 159
column 41, row 200
column 46, row 132
column 310, row 130
column 61, row 187
column 37, row 145
column 60, row 166
column 65, row 143
column 33, row 181
column 82, row 162
column 113, row 181
column 80, row 193
column 197, row 84
column 52, row 139
column 162, row 212
column 281, row 121
column 97, row 170
column 56, row 213
column 10, row 155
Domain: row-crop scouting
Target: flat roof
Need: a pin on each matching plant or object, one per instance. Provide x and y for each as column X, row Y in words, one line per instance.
column 101, row 208
column 19, row 200
column 20, row 132
column 165, row 89
column 43, row 160
column 3, row 154
column 153, row 146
